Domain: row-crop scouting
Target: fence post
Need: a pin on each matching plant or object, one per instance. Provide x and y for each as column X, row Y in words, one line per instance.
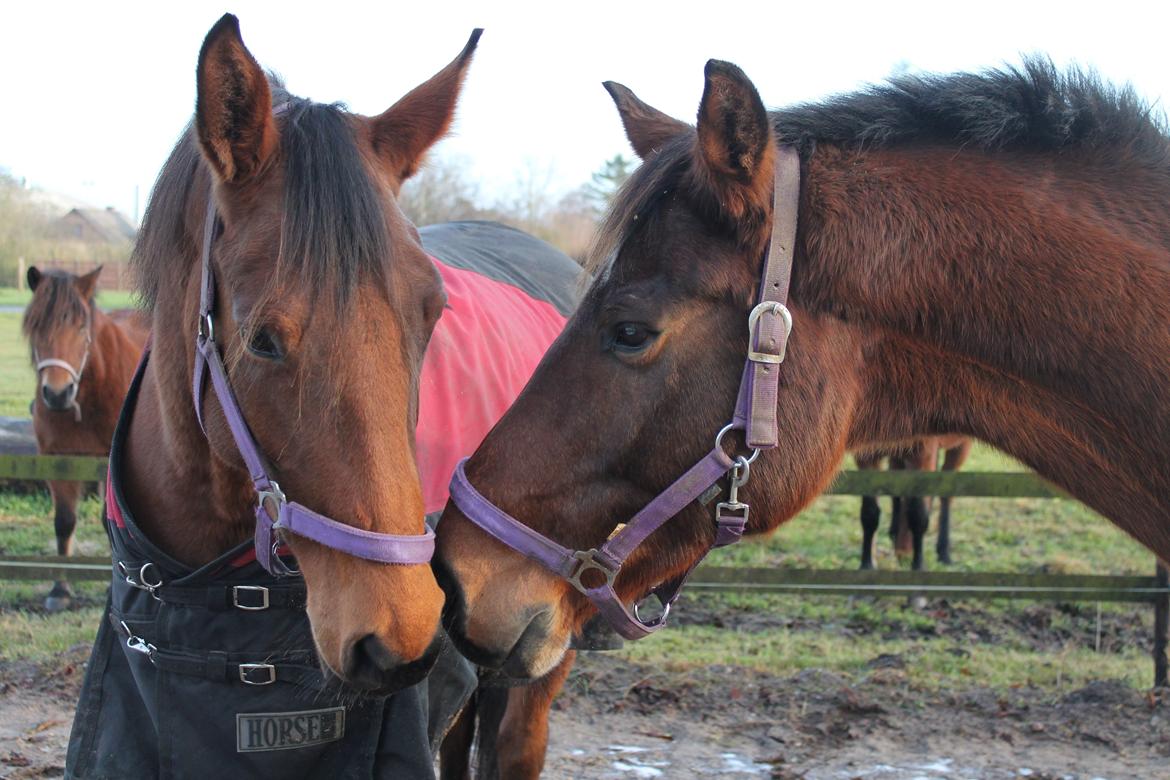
column 1161, row 629
column 20, row 274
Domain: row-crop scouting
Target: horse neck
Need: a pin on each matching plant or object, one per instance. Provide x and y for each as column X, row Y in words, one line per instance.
column 188, row 501
column 992, row 295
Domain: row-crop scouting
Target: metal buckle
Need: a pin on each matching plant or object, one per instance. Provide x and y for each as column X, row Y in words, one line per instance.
column 588, row 559
column 206, row 328
column 773, row 307
column 247, row 669
column 276, row 495
column 263, row 591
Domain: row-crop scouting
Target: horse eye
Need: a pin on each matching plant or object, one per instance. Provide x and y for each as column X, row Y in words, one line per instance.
column 632, row 336
column 263, row 344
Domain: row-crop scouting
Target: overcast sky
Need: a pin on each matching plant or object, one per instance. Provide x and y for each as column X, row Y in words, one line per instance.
column 94, row 94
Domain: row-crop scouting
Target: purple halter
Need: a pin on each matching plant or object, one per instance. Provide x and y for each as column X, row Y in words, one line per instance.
column 290, row 516
column 769, row 325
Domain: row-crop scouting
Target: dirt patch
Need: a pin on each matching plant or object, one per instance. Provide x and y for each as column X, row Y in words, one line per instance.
column 36, row 712
column 625, row 720
column 622, row 720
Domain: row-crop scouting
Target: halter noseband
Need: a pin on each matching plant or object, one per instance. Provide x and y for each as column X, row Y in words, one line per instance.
column 769, row 325
column 271, row 503
column 74, row 373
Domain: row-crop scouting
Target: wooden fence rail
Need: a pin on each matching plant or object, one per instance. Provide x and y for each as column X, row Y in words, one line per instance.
column 1153, row 590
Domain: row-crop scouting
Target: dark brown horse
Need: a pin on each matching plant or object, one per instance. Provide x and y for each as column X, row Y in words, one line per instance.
column 326, row 304
column 910, row 515
column 986, row 255
column 84, row 359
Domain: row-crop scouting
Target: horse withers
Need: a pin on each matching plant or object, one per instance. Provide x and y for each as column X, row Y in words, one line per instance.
column 84, row 359
column 978, row 254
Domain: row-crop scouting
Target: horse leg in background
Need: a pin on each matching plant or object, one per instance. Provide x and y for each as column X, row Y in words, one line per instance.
column 522, row 741
column 922, row 457
column 953, row 460
column 900, row 536
column 65, row 498
column 871, row 511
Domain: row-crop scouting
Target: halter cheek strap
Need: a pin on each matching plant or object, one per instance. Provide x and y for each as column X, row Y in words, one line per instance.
column 769, row 325
column 274, row 512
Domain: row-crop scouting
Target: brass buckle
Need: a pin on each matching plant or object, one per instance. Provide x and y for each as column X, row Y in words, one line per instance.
column 772, row 307
column 247, row 669
column 263, row 591
column 588, row 561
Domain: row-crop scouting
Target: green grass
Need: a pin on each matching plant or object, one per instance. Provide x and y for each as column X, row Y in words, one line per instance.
column 107, row 299
column 17, row 379
column 929, row 664
column 26, row 528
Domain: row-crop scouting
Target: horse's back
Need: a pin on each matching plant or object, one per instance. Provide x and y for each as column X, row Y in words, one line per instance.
column 134, row 322
column 508, row 256
column 508, row 296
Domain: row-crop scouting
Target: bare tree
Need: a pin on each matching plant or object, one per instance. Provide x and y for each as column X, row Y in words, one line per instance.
column 440, row 192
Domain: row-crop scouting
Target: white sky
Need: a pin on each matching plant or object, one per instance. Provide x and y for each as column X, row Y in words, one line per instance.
column 93, row 94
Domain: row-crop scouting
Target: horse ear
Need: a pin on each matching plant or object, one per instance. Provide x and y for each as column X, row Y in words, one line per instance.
column 233, row 108
column 403, row 133
column 647, row 128
column 735, row 140
column 87, row 283
column 33, row 276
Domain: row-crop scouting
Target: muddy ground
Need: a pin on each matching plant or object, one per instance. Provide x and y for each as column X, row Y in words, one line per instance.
column 623, row 720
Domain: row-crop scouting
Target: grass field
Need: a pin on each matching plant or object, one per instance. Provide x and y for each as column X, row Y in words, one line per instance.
column 107, row 299
column 946, row 646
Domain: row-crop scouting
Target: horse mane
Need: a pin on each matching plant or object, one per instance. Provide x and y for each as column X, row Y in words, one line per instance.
column 56, row 302
column 333, row 231
column 1034, row 107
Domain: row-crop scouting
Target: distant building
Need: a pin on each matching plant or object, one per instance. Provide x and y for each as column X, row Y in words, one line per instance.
column 100, row 226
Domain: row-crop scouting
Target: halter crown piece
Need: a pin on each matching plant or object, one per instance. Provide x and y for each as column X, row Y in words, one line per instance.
column 769, row 325
column 274, row 512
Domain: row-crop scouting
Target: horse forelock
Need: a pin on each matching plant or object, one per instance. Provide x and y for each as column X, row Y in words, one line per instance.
column 56, row 303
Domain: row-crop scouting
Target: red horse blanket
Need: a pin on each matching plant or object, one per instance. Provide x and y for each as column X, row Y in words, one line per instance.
column 508, row 295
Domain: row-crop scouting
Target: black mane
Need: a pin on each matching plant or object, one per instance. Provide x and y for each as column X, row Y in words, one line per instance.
column 333, row 233
column 1034, row 106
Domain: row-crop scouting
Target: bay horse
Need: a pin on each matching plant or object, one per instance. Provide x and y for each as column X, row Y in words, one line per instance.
column 84, row 359
column 910, row 515
column 978, row 254
column 273, row 417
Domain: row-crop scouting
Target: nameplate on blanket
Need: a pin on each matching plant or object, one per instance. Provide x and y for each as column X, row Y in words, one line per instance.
column 256, row 731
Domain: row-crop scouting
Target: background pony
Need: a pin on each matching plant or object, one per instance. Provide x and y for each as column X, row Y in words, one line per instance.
column 84, row 358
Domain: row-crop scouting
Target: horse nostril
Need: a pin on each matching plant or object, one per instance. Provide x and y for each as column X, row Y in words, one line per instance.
column 369, row 663
column 57, row 399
